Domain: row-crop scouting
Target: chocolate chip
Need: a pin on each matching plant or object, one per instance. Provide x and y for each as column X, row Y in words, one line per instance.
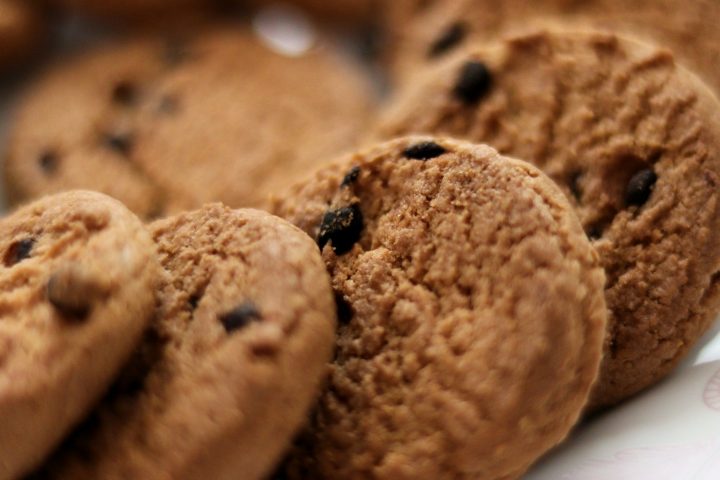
column 240, row 317
column 124, row 93
column 350, row 177
column 447, row 40
column 119, row 142
column 473, row 83
column 18, row 251
column 424, row 151
column 640, row 187
column 344, row 310
column 594, row 232
column 48, row 161
column 73, row 293
column 343, row 227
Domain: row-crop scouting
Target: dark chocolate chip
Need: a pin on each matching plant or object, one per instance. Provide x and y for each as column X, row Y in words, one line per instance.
column 424, row 151
column 344, row 309
column 448, row 39
column 594, row 232
column 343, row 227
column 19, row 251
column 350, row 177
column 69, row 296
column 640, row 187
column 240, row 317
column 194, row 300
column 124, row 93
column 473, row 82
column 48, row 161
column 119, row 142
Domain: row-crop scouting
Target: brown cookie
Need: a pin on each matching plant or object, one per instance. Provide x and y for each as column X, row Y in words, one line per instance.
column 137, row 9
column 21, row 29
column 634, row 141
column 169, row 126
column 688, row 28
column 345, row 11
column 471, row 313
column 232, row 362
column 77, row 289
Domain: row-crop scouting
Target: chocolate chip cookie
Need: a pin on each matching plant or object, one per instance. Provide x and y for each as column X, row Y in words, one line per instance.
column 77, row 289
column 231, row 364
column 167, row 126
column 634, row 141
column 21, row 29
column 688, row 28
column 471, row 313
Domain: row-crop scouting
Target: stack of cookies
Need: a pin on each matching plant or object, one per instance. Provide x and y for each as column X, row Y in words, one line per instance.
column 230, row 257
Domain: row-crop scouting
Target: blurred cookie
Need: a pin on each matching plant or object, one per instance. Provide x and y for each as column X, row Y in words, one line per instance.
column 471, row 313
column 634, row 141
column 126, row 9
column 231, row 365
column 166, row 126
column 21, row 29
column 78, row 282
column 688, row 28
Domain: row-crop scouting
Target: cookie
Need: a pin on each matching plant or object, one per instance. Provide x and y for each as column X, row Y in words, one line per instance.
column 75, row 127
column 78, row 281
column 166, row 126
column 688, row 28
column 634, row 141
column 338, row 10
column 232, row 362
column 128, row 9
column 21, row 29
column 471, row 313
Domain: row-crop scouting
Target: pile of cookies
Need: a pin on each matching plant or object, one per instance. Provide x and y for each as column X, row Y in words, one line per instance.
column 231, row 257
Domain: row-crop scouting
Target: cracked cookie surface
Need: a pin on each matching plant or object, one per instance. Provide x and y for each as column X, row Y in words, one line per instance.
column 471, row 313
column 229, row 368
column 634, row 142
column 77, row 289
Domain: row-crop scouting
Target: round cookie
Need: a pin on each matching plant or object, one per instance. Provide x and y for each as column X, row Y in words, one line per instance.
column 471, row 313
column 634, row 141
column 21, row 28
column 78, row 281
column 231, row 365
column 75, row 128
column 169, row 127
column 688, row 28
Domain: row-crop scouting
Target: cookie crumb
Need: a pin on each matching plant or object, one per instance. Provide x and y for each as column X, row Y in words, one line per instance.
column 473, row 83
column 640, row 187
column 240, row 317
column 424, row 151
column 448, row 39
column 343, row 227
column 19, row 251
